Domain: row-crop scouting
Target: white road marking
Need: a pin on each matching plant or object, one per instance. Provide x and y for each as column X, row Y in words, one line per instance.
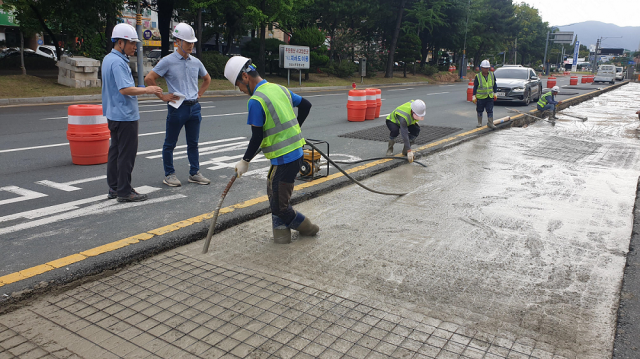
column 199, row 144
column 436, row 93
column 64, row 207
column 24, row 194
column 206, row 150
column 67, row 143
column 218, row 161
column 225, row 114
column 446, row 85
column 332, row 94
column 233, row 147
column 164, row 109
column 410, row 88
column 68, row 186
column 98, row 208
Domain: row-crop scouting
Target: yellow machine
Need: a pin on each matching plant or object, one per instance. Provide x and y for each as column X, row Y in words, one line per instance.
column 311, row 163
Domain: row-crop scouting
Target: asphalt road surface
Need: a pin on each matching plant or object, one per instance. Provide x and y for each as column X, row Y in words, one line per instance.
column 51, row 208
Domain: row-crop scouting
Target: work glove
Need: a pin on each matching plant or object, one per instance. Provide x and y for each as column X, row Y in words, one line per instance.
column 241, row 168
column 474, row 99
column 410, row 156
column 495, row 97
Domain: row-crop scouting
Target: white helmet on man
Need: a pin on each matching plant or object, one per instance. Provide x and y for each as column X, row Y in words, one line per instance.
column 419, row 109
column 555, row 89
column 124, row 31
column 235, row 66
column 485, row 64
column 184, row 32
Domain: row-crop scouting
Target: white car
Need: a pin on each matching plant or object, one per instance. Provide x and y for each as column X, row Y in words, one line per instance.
column 620, row 74
column 47, row 51
column 606, row 73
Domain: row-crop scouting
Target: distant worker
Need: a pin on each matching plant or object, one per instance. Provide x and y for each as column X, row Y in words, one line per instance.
column 120, row 107
column 547, row 102
column 484, row 93
column 276, row 130
column 404, row 120
column 181, row 71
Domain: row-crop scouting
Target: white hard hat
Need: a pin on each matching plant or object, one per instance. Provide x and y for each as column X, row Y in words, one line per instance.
column 124, row 31
column 485, row 64
column 555, row 89
column 184, row 32
column 234, row 67
column 419, row 109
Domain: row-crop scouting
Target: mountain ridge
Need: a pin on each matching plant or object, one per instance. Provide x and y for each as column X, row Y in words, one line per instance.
column 589, row 31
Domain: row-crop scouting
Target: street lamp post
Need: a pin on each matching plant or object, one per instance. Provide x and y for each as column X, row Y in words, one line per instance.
column 463, row 64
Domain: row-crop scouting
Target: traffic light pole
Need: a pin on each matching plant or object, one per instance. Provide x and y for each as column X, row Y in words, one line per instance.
column 544, row 62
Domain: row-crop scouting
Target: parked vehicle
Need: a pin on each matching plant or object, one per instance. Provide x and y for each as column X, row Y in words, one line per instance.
column 620, row 73
column 518, row 83
column 154, row 56
column 47, row 51
column 606, row 73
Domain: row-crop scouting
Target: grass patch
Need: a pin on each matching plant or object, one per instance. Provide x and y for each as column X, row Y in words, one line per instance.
column 18, row 86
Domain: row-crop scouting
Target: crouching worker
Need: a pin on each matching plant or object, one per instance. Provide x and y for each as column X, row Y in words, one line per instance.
column 404, row 121
column 276, row 130
column 548, row 102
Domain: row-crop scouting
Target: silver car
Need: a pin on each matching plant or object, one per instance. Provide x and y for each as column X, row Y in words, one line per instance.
column 518, row 83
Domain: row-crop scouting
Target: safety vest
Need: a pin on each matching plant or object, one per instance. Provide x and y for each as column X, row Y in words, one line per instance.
column 485, row 86
column 542, row 102
column 281, row 129
column 403, row 112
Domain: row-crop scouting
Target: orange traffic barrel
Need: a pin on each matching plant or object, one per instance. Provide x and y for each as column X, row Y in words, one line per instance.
column 551, row 81
column 378, row 102
column 573, row 80
column 371, row 104
column 585, row 79
column 470, row 91
column 591, row 78
column 88, row 134
column 357, row 105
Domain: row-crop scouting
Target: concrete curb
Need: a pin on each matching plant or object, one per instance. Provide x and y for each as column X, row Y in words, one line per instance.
column 77, row 273
column 98, row 97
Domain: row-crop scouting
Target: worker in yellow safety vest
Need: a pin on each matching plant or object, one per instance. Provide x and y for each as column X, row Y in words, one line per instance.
column 484, row 93
column 404, row 121
column 276, row 131
column 547, row 102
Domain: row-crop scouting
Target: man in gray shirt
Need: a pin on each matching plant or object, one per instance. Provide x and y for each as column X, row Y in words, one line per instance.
column 181, row 71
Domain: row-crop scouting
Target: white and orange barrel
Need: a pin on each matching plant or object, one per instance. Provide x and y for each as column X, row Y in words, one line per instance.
column 371, row 104
column 573, row 80
column 378, row 102
column 88, row 134
column 470, row 90
column 551, row 81
column 357, row 105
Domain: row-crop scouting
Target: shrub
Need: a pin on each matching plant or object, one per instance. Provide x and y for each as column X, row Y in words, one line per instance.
column 214, row 62
column 429, row 70
column 343, row 69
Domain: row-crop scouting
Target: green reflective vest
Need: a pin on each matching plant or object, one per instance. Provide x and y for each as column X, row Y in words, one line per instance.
column 402, row 112
column 542, row 102
column 485, row 86
column 281, row 129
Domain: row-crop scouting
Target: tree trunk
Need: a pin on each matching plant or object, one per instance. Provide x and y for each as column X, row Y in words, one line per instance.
column 46, row 28
column 261, row 57
column 199, row 43
column 404, row 69
column 165, row 10
column 24, row 70
column 110, row 24
column 394, row 41
column 332, row 34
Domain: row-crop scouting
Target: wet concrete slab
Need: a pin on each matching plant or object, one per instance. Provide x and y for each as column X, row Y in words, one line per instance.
column 521, row 234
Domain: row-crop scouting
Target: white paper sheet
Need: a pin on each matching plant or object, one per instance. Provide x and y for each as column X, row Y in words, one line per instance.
column 177, row 103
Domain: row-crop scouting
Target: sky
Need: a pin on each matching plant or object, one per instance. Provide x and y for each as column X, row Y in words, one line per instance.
column 566, row 12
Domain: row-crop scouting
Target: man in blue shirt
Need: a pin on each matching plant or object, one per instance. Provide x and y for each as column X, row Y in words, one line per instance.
column 284, row 168
column 181, row 71
column 120, row 107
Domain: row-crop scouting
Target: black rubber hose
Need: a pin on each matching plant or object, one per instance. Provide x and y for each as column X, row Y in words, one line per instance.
column 351, row 178
column 378, row 158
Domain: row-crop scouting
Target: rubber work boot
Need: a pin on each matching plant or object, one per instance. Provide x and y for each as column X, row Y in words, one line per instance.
column 282, row 235
column 490, row 123
column 479, row 121
column 307, row 228
column 390, row 147
column 553, row 116
column 404, row 152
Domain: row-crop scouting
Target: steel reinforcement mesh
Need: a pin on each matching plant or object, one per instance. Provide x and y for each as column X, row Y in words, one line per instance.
column 381, row 133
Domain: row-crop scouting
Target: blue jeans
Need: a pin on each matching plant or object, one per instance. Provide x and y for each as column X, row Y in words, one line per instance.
column 190, row 118
column 547, row 107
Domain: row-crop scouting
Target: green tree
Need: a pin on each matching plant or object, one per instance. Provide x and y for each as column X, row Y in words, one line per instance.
column 530, row 33
column 313, row 38
column 408, row 50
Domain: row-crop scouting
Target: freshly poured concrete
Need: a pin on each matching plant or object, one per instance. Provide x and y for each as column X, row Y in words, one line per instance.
column 519, row 234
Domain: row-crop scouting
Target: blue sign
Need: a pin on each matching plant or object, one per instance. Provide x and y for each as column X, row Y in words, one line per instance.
column 40, row 42
column 146, row 34
column 576, row 51
column 632, row 62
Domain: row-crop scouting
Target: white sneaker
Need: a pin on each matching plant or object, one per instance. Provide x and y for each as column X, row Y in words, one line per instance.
column 199, row 179
column 172, row 181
